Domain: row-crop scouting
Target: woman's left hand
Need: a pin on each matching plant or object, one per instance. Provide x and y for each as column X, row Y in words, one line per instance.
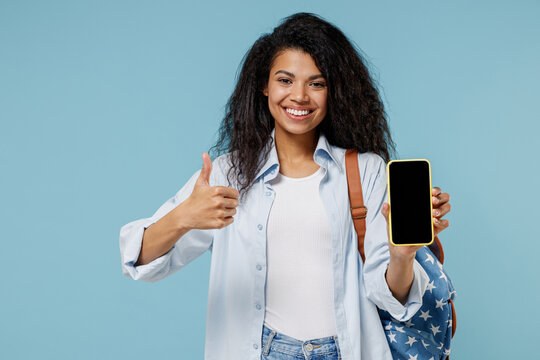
column 441, row 207
column 399, row 274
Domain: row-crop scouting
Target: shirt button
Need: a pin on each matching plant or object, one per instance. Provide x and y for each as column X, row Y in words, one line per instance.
column 259, row 267
column 255, row 346
column 259, row 227
column 268, row 193
column 258, row 306
column 309, row 347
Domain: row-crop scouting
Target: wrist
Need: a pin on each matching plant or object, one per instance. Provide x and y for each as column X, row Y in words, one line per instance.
column 180, row 216
column 402, row 258
column 399, row 277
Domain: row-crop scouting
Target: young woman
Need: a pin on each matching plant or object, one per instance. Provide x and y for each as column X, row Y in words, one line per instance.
column 286, row 280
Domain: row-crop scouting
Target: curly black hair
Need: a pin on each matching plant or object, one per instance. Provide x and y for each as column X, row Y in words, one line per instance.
column 355, row 117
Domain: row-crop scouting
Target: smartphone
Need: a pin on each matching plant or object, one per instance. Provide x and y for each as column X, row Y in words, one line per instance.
column 409, row 196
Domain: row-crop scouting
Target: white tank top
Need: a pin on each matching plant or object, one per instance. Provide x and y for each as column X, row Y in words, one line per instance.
column 299, row 286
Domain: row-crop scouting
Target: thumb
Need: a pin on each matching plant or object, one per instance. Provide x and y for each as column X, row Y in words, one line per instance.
column 385, row 210
column 204, row 176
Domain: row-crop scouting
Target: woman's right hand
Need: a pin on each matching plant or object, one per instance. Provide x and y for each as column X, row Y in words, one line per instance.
column 208, row 207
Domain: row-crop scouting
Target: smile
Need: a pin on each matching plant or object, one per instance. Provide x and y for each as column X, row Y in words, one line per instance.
column 298, row 115
column 298, row 112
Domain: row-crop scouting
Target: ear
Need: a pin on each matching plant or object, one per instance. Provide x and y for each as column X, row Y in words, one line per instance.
column 265, row 91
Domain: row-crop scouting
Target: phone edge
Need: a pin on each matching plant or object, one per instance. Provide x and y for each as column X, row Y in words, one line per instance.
column 390, row 212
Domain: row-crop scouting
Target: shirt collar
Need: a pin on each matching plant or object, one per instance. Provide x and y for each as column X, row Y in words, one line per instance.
column 324, row 153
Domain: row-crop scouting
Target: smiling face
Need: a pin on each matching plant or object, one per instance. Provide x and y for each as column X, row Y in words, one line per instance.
column 296, row 93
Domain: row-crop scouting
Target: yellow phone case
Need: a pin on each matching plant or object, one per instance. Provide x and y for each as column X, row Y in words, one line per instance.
column 390, row 214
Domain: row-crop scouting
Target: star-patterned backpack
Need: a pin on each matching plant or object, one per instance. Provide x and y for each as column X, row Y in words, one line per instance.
column 428, row 333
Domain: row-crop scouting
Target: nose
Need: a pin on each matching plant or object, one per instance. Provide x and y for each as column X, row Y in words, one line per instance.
column 298, row 93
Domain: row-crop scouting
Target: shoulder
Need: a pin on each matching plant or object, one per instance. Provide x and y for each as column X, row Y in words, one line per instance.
column 372, row 169
column 220, row 169
column 222, row 160
column 371, row 160
column 367, row 161
column 371, row 166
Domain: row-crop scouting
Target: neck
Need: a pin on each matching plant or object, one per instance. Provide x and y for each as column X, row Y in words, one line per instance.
column 295, row 148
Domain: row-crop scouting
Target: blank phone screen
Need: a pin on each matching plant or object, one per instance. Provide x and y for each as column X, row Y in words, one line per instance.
column 410, row 202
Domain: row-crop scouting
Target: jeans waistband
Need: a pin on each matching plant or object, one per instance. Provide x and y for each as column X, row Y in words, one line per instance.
column 289, row 345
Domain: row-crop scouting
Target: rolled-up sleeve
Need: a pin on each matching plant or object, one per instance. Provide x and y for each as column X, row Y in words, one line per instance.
column 376, row 248
column 191, row 245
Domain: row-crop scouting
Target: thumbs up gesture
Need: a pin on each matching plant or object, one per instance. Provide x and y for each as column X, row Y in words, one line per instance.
column 210, row 207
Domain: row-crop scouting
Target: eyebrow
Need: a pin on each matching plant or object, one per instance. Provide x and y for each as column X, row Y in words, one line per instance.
column 312, row 77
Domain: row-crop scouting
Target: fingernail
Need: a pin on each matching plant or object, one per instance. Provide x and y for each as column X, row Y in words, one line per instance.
column 435, row 212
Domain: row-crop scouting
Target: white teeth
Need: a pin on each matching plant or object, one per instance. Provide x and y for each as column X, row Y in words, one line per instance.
column 297, row 112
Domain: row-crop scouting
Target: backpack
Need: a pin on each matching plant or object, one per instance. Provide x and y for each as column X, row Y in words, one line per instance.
column 427, row 335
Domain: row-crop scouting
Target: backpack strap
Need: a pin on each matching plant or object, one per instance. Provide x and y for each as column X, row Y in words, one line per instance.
column 356, row 199
column 437, row 249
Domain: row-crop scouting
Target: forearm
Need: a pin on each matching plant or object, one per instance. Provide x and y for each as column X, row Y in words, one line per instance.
column 399, row 277
column 161, row 236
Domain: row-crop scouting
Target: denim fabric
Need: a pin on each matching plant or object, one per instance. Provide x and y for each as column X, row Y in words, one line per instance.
column 278, row 346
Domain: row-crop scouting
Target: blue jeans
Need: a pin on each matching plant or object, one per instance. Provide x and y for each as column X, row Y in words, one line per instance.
column 278, row 346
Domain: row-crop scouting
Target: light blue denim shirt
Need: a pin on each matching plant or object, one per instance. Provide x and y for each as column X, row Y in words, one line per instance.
column 236, row 297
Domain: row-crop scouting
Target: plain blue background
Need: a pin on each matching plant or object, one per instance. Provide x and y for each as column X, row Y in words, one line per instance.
column 107, row 106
